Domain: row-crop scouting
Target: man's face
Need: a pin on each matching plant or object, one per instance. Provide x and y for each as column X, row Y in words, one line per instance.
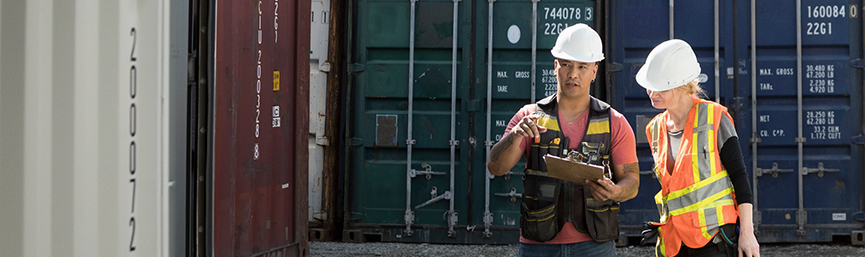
column 574, row 78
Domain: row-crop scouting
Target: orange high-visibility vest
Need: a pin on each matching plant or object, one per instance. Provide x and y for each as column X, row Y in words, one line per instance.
column 698, row 197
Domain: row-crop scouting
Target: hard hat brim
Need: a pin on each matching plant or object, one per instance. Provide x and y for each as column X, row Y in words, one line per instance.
column 564, row 56
column 645, row 82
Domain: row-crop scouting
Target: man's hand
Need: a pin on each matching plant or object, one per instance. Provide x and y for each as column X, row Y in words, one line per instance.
column 528, row 127
column 506, row 153
column 604, row 189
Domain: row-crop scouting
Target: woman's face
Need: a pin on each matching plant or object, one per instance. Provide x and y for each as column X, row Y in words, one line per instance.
column 666, row 99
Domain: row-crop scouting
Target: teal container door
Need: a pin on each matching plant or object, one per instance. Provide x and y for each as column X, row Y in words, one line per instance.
column 406, row 160
column 424, row 111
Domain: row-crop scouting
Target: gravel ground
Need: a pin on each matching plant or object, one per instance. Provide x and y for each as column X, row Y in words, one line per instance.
column 335, row 249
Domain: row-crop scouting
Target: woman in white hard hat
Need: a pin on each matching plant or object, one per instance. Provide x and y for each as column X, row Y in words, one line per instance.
column 705, row 197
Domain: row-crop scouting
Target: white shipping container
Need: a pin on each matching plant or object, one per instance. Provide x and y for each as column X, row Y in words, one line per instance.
column 92, row 143
column 318, row 68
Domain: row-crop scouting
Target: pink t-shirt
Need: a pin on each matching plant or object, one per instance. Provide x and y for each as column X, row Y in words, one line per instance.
column 624, row 151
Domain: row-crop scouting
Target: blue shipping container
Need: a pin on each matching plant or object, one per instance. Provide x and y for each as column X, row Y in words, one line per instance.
column 792, row 78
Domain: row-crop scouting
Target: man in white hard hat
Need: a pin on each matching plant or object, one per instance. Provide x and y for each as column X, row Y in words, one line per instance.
column 696, row 152
column 558, row 217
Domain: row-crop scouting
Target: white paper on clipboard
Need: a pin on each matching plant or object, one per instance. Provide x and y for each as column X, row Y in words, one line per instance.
column 572, row 171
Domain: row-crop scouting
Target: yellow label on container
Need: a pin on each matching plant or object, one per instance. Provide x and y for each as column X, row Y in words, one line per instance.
column 275, row 80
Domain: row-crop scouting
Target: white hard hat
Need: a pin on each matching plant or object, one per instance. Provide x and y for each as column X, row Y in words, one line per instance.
column 578, row 43
column 670, row 65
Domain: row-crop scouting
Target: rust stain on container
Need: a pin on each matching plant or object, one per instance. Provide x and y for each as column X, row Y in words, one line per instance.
column 261, row 122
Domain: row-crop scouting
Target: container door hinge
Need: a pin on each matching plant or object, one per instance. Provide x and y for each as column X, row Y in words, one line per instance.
column 453, row 219
column 858, row 140
column 801, row 220
column 857, row 63
column 354, row 67
column 614, row 67
column 354, row 141
column 488, row 222
column 409, row 220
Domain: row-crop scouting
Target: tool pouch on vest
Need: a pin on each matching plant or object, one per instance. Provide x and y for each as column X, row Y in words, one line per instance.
column 539, row 221
column 605, row 225
column 600, row 217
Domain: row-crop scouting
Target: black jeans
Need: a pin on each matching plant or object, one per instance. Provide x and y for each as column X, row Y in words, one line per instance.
column 721, row 249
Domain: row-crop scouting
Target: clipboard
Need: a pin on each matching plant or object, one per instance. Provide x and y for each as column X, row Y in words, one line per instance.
column 576, row 172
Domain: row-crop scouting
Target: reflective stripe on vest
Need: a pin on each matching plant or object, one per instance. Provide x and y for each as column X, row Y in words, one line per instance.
column 704, row 197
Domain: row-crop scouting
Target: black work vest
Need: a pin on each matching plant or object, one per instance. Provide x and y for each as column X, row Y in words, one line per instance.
column 547, row 202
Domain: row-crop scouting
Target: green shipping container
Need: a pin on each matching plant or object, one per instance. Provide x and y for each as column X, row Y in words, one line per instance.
column 433, row 85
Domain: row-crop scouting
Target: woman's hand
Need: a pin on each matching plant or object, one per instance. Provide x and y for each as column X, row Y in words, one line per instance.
column 748, row 245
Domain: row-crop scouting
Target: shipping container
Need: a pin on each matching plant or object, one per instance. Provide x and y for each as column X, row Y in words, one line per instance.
column 790, row 72
column 93, row 129
column 128, row 128
column 260, row 128
column 433, row 85
column 425, row 78
column 318, row 68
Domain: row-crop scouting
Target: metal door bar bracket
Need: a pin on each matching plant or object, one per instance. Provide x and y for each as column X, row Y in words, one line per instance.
column 427, row 172
column 508, row 175
column 774, row 170
column 819, row 170
column 512, row 194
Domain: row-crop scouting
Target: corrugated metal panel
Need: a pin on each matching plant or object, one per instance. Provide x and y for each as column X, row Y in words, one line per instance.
column 317, row 101
column 89, row 163
column 829, row 200
column 261, row 121
column 808, row 111
column 386, row 111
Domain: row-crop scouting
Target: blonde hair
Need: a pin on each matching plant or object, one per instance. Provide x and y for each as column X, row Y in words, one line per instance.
column 693, row 88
